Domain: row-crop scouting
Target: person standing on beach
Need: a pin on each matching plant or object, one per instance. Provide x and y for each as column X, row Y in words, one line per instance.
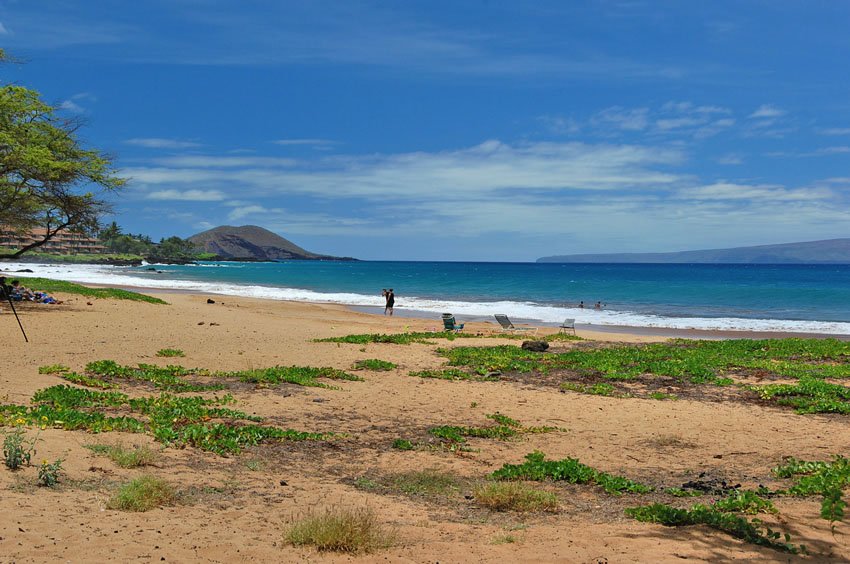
column 388, row 310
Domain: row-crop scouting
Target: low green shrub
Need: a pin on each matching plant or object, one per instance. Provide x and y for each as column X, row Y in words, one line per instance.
column 375, row 365
column 403, row 444
column 537, row 468
column 826, row 479
column 170, row 352
column 750, row 531
column 300, row 375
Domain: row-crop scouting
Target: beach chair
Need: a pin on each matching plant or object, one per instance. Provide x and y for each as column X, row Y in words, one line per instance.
column 568, row 326
column 509, row 327
column 449, row 323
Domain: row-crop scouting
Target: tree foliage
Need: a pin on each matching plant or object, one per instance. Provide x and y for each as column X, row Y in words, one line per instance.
column 171, row 249
column 47, row 176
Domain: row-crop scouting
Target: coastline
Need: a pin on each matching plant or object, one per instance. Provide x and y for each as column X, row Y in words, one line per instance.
column 607, row 320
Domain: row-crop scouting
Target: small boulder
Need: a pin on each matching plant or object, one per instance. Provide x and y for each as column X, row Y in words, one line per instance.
column 210, row 301
column 535, row 346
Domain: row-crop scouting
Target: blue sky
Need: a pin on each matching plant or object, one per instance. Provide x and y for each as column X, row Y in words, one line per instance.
column 447, row 130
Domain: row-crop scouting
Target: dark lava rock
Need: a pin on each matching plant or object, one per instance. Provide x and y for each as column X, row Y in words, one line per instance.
column 535, row 346
column 210, row 301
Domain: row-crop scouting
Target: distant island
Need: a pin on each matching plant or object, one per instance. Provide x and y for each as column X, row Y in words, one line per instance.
column 831, row 251
column 250, row 242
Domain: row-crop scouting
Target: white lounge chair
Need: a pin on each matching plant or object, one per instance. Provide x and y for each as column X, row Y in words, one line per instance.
column 509, row 327
column 568, row 326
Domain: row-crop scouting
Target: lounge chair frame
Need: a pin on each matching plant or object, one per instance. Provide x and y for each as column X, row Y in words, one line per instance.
column 508, row 326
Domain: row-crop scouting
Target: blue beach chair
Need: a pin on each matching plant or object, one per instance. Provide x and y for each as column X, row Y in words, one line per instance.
column 449, row 323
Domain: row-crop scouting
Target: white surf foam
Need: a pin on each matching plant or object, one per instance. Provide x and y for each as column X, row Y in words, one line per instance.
column 122, row 276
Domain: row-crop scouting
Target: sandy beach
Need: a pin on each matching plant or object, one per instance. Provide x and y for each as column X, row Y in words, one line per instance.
column 240, row 506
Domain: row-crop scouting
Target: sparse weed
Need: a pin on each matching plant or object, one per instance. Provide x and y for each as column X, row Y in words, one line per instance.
column 170, row 352
column 375, row 365
column 679, row 492
column 254, row 465
column 452, row 374
column 403, row 444
column 53, row 369
column 49, row 473
column 395, row 339
column 507, row 428
column 427, row 483
column 598, row 389
column 17, row 449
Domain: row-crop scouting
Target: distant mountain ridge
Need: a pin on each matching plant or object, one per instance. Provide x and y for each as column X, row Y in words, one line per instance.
column 253, row 243
column 830, row 251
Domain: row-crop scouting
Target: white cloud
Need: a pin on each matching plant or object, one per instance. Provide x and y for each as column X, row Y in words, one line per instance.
column 676, row 123
column 71, row 106
column 835, row 131
column 840, row 150
column 488, row 168
column 822, row 152
column 672, row 119
column 495, row 189
column 3, row 30
column 560, row 125
column 767, row 111
column 622, row 118
column 312, row 142
column 187, row 195
column 730, row 159
column 771, row 193
column 205, row 161
column 161, row 143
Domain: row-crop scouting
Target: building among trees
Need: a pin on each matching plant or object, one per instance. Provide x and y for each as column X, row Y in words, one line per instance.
column 64, row 242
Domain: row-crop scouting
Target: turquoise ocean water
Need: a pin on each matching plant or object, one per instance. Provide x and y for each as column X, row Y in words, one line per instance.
column 804, row 298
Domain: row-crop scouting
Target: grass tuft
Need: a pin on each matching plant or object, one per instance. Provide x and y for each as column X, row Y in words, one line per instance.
column 127, row 457
column 142, row 494
column 353, row 531
column 515, row 496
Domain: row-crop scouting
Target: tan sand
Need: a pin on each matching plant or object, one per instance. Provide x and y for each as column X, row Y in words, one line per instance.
column 239, row 509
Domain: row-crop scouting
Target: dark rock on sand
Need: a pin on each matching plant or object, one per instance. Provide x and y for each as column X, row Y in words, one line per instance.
column 535, row 346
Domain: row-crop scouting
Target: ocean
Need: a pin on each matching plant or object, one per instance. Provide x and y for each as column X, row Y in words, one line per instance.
column 773, row 298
